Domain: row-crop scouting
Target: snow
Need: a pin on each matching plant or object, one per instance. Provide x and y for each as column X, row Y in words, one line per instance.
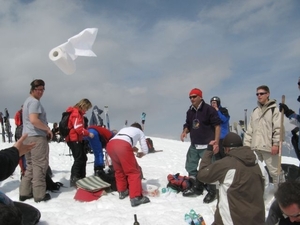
column 168, row 208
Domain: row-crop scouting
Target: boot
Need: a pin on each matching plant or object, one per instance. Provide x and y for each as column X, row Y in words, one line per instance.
column 123, row 194
column 73, row 181
column 211, row 194
column 139, row 200
column 196, row 188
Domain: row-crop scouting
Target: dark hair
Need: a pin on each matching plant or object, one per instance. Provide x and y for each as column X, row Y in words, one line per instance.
column 137, row 125
column 288, row 193
column 264, row 87
column 36, row 83
column 10, row 215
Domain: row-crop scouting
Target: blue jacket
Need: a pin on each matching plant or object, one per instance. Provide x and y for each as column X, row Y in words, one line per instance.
column 224, row 116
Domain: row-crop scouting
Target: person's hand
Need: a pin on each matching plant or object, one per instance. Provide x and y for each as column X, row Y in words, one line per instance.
column 274, row 150
column 287, row 112
column 91, row 135
column 182, row 136
column 140, row 154
column 22, row 148
column 49, row 135
column 135, row 149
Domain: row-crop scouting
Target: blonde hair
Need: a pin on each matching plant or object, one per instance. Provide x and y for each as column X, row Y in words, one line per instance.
column 84, row 104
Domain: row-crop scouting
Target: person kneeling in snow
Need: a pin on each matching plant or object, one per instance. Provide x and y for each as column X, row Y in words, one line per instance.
column 241, row 185
column 127, row 171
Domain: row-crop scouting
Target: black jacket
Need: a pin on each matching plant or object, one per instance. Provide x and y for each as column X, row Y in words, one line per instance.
column 9, row 159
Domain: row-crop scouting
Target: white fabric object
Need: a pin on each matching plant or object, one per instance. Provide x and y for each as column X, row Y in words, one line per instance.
column 79, row 45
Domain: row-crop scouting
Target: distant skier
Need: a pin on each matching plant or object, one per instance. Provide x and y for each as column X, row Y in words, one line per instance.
column 19, row 123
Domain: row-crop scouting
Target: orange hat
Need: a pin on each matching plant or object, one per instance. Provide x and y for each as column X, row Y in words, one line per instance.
column 196, row 91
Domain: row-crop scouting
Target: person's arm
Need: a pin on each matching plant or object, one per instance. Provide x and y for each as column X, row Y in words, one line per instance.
column 9, row 157
column 275, row 131
column 248, row 134
column 36, row 122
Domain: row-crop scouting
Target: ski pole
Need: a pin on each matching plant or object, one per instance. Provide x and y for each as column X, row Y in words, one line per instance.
column 280, row 141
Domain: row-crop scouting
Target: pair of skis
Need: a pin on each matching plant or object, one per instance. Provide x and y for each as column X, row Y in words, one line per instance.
column 5, row 126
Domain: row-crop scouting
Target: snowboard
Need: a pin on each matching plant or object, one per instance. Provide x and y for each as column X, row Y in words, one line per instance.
column 2, row 127
column 30, row 214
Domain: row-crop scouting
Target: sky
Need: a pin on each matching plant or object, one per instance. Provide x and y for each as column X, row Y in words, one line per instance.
column 168, row 208
column 150, row 54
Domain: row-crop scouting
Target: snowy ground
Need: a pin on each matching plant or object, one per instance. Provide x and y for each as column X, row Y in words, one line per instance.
column 165, row 209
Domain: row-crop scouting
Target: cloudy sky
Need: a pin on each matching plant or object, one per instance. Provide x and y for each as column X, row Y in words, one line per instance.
column 150, row 54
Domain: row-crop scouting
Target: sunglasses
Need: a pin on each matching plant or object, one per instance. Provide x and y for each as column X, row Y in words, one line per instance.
column 298, row 83
column 295, row 216
column 193, row 96
column 261, row 93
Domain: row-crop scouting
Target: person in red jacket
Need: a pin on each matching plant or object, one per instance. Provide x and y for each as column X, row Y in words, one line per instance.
column 19, row 124
column 75, row 139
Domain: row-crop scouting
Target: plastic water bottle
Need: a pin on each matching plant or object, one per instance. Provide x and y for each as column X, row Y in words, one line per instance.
column 194, row 217
column 187, row 219
column 164, row 190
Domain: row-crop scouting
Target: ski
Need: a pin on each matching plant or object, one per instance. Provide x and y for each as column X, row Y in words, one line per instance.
column 8, row 126
column 2, row 127
column 106, row 116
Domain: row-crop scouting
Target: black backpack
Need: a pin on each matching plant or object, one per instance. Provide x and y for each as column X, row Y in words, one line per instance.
column 63, row 124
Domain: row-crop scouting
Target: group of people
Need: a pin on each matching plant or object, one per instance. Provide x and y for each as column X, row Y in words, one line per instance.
column 238, row 175
column 226, row 159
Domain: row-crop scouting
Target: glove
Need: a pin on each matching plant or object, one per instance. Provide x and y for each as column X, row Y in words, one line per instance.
column 287, row 111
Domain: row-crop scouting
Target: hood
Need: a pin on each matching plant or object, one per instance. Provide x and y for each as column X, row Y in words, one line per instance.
column 244, row 154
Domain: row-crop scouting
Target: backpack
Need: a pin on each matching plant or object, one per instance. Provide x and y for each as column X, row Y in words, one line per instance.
column 151, row 148
column 178, row 182
column 64, row 130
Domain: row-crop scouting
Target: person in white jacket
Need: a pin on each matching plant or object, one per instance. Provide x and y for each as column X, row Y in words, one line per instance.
column 128, row 175
column 263, row 132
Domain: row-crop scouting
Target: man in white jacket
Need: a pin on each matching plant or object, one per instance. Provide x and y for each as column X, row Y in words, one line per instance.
column 263, row 132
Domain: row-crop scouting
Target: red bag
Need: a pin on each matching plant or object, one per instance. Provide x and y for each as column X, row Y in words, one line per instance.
column 178, row 182
column 87, row 196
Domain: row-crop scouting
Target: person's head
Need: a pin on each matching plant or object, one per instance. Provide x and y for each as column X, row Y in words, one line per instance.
column 263, row 94
column 54, row 125
column 215, row 102
column 231, row 140
column 288, row 198
column 37, row 88
column 10, row 215
column 195, row 96
column 137, row 125
column 84, row 105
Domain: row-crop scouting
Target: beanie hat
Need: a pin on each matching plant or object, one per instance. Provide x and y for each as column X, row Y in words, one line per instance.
column 232, row 140
column 196, row 91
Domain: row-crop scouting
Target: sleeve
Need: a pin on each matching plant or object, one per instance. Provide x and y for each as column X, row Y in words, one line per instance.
column 143, row 143
column 248, row 133
column 276, row 127
column 274, row 214
column 223, row 114
column 9, row 159
column 211, row 172
column 187, row 125
column 214, row 117
column 77, row 122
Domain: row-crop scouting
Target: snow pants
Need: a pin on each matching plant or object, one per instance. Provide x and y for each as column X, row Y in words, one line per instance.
column 96, row 145
column 37, row 160
column 78, row 169
column 127, row 171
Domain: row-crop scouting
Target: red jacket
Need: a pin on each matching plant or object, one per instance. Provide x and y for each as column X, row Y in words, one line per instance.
column 76, row 125
column 18, row 118
column 105, row 133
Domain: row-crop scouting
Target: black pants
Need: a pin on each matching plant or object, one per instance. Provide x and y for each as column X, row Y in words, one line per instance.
column 78, row 169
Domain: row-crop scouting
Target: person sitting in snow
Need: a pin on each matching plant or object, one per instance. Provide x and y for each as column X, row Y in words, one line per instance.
column 285, row 210
column 241, row 184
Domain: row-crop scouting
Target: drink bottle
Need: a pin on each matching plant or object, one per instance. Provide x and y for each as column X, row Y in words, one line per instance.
column 135, row 220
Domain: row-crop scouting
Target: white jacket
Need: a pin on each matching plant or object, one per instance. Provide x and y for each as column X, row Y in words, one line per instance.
column 263, row 130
